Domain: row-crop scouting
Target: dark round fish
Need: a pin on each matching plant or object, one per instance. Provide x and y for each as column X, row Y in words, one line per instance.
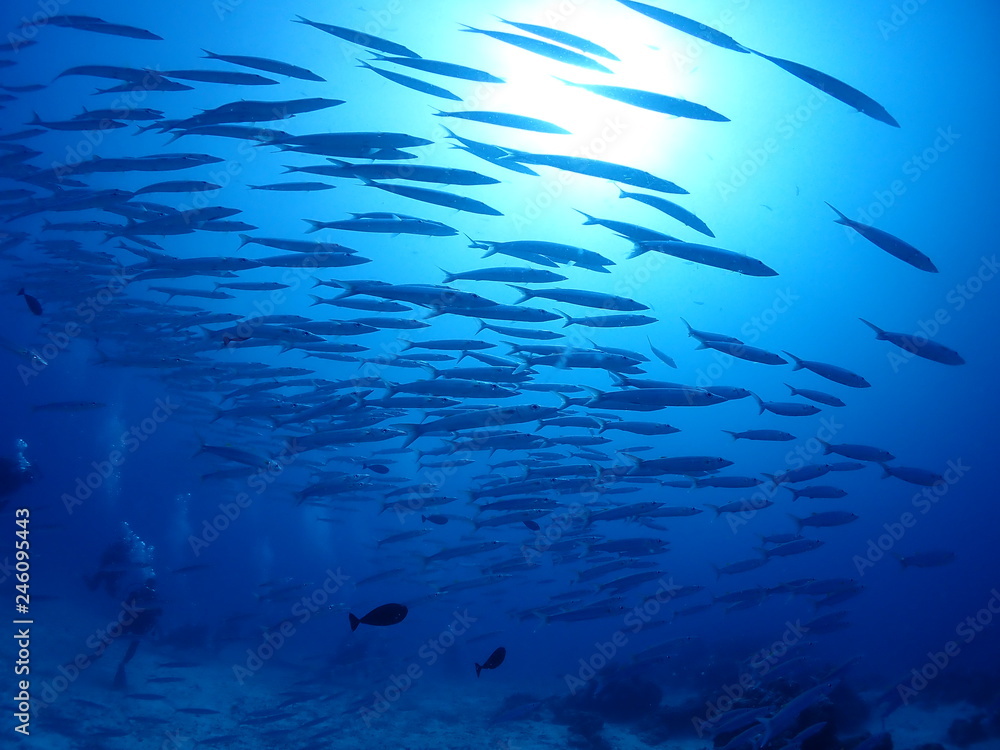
column 387, row 614
column 495, row 660
column 33, row 304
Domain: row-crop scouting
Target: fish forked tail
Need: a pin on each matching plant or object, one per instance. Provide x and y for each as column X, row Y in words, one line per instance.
column 798, row 362
column 526, row 294
column 841, row 218
column 879, row 333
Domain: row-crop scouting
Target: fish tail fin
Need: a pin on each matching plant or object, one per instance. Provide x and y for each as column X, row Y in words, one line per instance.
column 731, row 434
column 210, row 55
column 290, row 168
column 317, row 300
column 795, row 493
column 885, row 471
column 314, row 226
column 412, row 433
column 635, row 460
column 826, row 446
column 35, row 119
column 448, row 278
column 245, row 239
column 879, row 333
column 841, row 219
column 526, row 293
column 798, row 362
column 354, row 622
column 434, row 372
column 478, row 244
column 798, row 521
column 569, row 320
column 637, row 250
column 760, row 402
column 716, row 508
column 588, row 218
column 773, row 478
column 791, row 388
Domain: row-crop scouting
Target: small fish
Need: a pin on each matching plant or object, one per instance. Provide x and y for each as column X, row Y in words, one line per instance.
column 830, row 372
column 926, row 559
column 359, row 37
column 652, row 101
column 545, row 49
column 763, row 435
column 707, row 256
column 412, row 83
column 921, row 346
column 892, row 245
column 438, row 67
column 68, row 406
column 562, row 37
column 495, row 660
column 506, row 120
column 837, row 89
column 387, row 614
column 271, row 66
column 33, row 304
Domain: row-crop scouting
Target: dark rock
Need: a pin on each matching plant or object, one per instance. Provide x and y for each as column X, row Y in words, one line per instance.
column 964, row 732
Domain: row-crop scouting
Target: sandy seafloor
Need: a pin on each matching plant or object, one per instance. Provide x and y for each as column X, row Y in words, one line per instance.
column 439, row 712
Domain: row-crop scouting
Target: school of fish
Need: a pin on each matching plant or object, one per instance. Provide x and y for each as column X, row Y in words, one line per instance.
column 574, row 462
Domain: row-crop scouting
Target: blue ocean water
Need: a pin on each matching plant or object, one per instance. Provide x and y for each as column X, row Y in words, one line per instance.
column 192, row 540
